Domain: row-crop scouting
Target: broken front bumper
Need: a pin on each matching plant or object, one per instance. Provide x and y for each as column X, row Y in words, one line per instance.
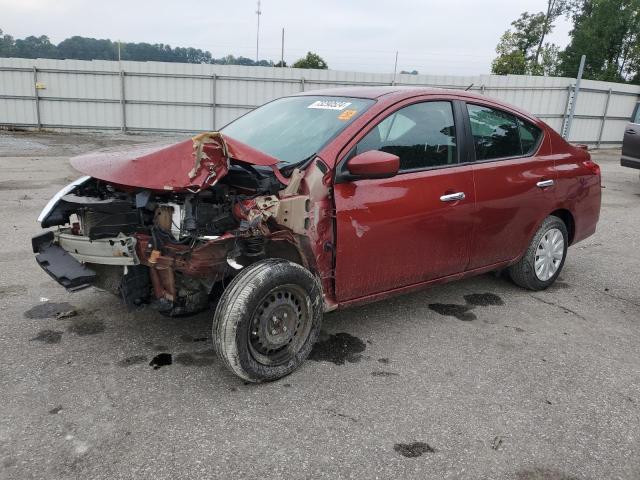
column 64, row 256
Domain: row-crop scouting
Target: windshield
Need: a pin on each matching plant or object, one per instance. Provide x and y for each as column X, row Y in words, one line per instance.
column 292, row 129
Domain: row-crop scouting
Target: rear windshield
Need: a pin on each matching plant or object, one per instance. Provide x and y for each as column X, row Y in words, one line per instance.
column 292, row 129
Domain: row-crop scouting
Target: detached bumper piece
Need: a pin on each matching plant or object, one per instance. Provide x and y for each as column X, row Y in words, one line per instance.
column 120, row 250
column 60, row 265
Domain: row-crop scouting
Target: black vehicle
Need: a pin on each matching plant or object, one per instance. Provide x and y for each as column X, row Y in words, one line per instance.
column 631, row 142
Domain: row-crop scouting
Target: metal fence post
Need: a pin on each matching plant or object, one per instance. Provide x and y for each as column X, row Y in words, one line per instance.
column 576, row 91
column 604, row 118
column 213, row 102
column 123, row 103
column 302, row 84
column 566, row 109
column 36, row 96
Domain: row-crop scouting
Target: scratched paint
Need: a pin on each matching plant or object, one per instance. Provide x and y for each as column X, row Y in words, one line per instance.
column 360, row 229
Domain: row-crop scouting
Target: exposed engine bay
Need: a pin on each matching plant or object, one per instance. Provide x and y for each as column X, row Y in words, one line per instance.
column 172, row 247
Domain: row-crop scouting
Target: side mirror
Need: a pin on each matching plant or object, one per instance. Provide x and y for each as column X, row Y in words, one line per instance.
column 374, row 164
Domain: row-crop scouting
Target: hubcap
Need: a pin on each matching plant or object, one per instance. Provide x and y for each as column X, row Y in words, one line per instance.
column 280, row 325
column 549, row 254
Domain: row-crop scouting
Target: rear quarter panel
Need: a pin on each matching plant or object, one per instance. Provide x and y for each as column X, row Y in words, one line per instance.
column 578, row 187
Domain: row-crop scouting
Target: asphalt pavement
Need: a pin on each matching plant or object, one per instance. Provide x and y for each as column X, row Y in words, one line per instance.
column 477, row 379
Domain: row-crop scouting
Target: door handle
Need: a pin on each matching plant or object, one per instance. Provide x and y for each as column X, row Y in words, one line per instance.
column 452, row 197
column 545, row 183
column 630, row 132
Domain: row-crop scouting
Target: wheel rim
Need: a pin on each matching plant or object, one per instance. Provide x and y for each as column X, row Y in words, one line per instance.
column 280, row 325
column 549, row 254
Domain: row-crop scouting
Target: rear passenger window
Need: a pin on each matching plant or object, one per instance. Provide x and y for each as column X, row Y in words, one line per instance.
column 422, row 135
column 495, row 133
column 529, row 136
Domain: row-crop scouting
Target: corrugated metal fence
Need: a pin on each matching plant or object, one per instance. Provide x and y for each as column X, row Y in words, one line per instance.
column 175, row 97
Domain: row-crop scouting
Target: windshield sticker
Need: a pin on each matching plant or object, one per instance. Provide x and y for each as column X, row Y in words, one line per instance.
column 329, row 105
column 347, row 115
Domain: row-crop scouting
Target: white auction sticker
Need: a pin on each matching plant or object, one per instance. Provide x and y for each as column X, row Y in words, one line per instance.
column 329, row 105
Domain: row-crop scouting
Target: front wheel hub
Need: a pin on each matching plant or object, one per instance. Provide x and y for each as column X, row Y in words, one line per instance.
column 280, row 325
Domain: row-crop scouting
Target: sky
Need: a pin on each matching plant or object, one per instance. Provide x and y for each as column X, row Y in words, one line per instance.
column 453, row 37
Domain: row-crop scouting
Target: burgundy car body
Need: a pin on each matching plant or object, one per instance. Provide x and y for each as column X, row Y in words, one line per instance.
column 368, row 238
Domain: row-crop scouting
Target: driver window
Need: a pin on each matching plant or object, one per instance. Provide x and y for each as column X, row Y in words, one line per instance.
column 422, row 135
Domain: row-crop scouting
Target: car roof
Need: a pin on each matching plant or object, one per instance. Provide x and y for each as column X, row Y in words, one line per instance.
column 393, row 93
column 371, row 92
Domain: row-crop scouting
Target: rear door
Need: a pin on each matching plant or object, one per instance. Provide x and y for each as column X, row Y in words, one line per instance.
column 515, row 187
column 416, row 226
column 631, row 141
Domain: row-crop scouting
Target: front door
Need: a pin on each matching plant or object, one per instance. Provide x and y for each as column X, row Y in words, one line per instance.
column 416, row 226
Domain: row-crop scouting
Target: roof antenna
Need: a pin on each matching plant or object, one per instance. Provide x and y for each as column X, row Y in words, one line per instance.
column 468, row 88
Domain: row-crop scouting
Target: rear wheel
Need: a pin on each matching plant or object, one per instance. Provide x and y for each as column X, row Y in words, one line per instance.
column 268, row 319
column 543, row 261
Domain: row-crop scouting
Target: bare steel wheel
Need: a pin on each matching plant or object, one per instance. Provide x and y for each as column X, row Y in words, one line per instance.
column 542, row 262
column 279, row 325
column 268, row 319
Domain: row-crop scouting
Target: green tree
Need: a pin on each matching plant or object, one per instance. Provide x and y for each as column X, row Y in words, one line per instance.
column 311, row 60
column 510, row 63
column 84, row 48
column 608, row 33
column 549, row 64
column 35, row 47
column 522, row 49
column 7, row 45
column 555, row 8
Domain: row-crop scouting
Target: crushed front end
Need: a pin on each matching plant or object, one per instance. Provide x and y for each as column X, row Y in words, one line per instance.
column 168, row 226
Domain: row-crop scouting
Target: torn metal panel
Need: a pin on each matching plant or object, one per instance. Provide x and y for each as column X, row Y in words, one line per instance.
column 192, row 164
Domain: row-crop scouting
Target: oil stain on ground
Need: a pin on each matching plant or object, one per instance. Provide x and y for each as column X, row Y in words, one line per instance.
column 48, row 310
column 86, row 328
column 413, row 450
column 461, row 312
column 337, row 348
column 483, row 299
column 160, row 360
column 48, row 336
column 132, row 360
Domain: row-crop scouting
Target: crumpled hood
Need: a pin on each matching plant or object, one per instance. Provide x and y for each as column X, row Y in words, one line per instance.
column 193, row 164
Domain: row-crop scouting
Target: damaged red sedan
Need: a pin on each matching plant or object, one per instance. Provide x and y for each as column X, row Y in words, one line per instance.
column 321, row 201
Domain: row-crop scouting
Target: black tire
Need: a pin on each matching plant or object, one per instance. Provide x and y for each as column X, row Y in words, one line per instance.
column 523, row 273
column 268, row 319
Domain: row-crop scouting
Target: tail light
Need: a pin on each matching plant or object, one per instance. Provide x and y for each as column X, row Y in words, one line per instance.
column 593, row 167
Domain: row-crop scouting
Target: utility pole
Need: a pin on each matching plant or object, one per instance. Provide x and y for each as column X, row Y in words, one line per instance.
column 395, row 69
column 282, row 50
column 258, row 13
